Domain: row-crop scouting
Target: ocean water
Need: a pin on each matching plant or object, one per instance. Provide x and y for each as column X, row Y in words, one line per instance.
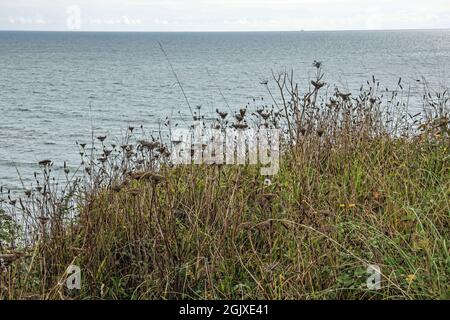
column 55, row 86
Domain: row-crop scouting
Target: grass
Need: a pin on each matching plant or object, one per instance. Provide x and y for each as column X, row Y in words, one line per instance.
column 357, row 186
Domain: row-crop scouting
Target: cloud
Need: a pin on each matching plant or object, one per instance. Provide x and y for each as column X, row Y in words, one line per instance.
column 26, row 21
column 123, row 20
column 220, row 15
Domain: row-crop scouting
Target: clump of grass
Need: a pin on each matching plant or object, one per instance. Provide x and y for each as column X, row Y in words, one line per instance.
column 361, row 182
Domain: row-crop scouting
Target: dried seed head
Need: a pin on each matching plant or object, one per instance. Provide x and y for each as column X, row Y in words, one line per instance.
column 150, row 145
column 116, row 188
column 345, row 96
column 43, row 220
column 265, row 115
column 222, row 115
column 239, row 117
column 317, row 64
column 240, row 126
column 317, row 85
column 45, row 163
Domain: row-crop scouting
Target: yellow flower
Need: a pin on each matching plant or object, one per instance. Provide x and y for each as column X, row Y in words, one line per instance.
column 410, row 278
column 350, row 205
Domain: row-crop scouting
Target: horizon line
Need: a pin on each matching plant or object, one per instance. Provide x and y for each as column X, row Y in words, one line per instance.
column 224, row 31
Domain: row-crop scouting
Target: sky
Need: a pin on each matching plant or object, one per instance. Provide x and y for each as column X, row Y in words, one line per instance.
column 222, row 15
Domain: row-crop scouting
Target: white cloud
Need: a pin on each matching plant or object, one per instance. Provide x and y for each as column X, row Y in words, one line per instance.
column 20, row 20
column 185, row 15
column 124, row 20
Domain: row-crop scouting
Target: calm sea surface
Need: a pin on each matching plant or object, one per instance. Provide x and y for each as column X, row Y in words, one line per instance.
column 55, row 86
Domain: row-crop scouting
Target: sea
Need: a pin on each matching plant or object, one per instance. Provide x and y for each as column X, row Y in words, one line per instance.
column 57, row 88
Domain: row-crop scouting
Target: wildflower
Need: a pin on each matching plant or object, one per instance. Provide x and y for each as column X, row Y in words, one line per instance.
column 352, row 205
column 376, row 195
column 342, row 205
column 410, row 278
column 267, row 182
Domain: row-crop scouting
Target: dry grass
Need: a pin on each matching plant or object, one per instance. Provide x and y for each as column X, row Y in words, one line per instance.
column 361, row 182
